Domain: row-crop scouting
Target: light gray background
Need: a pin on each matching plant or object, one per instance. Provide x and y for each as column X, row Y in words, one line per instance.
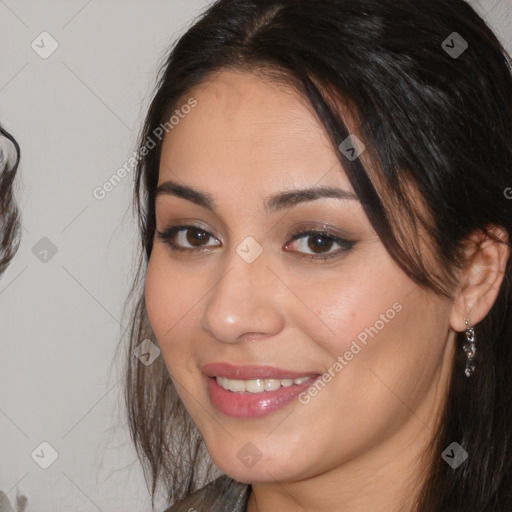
column 77, row 115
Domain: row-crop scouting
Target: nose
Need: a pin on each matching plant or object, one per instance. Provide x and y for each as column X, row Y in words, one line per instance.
column 246, row 301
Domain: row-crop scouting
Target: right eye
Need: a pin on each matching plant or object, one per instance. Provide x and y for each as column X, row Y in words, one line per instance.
column 177, row 236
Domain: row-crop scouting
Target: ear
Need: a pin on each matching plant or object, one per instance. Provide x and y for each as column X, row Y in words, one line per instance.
column 480, row 280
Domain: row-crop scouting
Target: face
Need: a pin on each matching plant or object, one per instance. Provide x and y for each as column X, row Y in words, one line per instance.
column 328, row 351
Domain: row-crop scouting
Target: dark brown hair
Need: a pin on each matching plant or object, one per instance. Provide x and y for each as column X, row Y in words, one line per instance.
column 10, row 219
column 436, row 125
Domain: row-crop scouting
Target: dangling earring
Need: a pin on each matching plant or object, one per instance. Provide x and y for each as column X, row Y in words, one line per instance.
column 470, row 350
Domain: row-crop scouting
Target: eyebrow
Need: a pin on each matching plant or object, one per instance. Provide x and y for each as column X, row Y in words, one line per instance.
column 274, row 203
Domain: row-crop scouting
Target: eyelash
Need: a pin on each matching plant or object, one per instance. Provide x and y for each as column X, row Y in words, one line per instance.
column 168, row 235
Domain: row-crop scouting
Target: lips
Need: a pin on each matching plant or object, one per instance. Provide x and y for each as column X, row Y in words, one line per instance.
column 248, row 372
column 257, row 403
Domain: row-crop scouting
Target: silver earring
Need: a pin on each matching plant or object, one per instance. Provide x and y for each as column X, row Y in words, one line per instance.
column 470, row 350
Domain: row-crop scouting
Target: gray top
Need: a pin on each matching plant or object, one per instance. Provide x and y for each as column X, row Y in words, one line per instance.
column 215, row 497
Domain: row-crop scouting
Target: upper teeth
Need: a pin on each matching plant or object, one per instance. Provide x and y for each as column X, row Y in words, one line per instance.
column 257, row 385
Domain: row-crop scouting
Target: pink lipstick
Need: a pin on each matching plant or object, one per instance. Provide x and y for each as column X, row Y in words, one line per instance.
column 249, row 391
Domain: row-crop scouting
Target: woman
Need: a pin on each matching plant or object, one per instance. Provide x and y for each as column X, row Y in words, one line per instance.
column 326, row 264
column 9, row 214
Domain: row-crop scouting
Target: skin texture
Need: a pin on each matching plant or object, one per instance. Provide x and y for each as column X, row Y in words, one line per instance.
column 355, row 445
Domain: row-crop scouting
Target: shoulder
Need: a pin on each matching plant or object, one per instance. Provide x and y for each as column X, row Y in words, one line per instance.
column 221, row 495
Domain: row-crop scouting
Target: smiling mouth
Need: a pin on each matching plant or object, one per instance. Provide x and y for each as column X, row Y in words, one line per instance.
column 259, row 385
column 252, row 391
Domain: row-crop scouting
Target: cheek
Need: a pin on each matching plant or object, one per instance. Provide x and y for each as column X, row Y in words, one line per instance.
column 376, row 332
column 351, row 306
column 388, row 348
column 170, row 303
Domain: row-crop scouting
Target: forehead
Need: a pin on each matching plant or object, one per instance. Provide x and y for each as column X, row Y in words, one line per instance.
column 246, row 131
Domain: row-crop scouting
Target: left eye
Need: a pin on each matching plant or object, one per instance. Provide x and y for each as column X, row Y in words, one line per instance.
column 319, row 242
